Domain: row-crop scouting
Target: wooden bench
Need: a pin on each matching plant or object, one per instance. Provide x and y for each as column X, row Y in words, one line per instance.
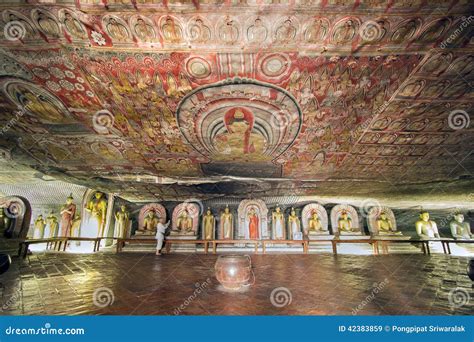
column 320, row 240
column 424, row 244
column 25, row 244
column 73, row 238
column 304, row 243
column 446, row 242
column 121, row 242
column 228, row 242
column 167, row 243
column 374, row 244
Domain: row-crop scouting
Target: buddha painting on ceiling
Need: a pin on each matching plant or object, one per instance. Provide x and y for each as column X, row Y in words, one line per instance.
column 239, row 140
column 37, row 102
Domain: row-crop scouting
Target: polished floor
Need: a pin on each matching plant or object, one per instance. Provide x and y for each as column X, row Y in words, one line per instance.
column 184, row 284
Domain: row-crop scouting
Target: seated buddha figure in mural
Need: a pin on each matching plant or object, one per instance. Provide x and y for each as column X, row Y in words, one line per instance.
column 171, row 31
column 185, row 222
column 426, row 228
column 238, row 142
column 38, row 105
column 459, row 228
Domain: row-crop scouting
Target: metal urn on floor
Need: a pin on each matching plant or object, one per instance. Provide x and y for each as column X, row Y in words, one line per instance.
column 234, row 272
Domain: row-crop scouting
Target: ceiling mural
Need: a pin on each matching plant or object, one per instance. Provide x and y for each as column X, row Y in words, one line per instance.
column 129, row 96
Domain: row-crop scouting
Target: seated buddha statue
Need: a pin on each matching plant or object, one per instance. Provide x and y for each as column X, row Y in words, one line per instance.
column 384, row 225
column 4, row 222
column 460, row 230
column 345, row 223
column 149, row 222
column 185, row 222
column 425, row 228
column 314, row 224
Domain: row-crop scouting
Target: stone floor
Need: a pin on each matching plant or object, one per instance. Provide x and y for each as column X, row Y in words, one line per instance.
column 144, row 284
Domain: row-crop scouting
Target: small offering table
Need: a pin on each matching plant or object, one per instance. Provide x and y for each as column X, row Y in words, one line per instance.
column 304, row 243
column 229, row 242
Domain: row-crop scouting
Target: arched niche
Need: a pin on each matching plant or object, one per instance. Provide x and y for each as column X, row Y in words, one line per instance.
column 262, row 212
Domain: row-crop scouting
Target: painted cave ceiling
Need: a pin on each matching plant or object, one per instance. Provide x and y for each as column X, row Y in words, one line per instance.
column 167, row 99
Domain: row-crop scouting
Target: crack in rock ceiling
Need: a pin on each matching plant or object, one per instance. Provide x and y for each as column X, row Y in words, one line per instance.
column 155, row 99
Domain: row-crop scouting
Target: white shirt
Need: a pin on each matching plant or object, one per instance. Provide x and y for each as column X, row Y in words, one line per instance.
column 161, row 229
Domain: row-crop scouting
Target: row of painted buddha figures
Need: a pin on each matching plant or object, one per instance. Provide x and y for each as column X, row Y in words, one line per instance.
column 381, row 221
column 312, row 222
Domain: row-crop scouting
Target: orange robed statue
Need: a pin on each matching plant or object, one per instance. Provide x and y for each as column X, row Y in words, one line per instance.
column 253, row 224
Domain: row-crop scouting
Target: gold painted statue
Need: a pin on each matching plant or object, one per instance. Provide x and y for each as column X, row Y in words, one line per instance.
column 53, row 224
column 76, row 226
column 227, row 224
column 97, row 207
column 425, row 228
column 384, row 225
column 314, row 223
column 460, row 229
column 40, row 224
column 208, row 224
column 150, row 221
column 185, row 222
column 122, row 219
column 294, row 225
column 278, row 224
column 344, row 223
column 4, row 222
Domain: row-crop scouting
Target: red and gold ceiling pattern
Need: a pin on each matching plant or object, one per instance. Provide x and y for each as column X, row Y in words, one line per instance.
column 122, row 89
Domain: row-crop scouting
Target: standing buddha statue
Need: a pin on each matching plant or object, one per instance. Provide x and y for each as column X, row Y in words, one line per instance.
column 40, row 224
column 68, row 211
column 53, row 225
column 97, row 207
column 227, row 224
column 208, row 224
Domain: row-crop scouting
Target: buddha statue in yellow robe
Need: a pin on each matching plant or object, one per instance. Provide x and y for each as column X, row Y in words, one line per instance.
column 208, row 225
column 185, row 222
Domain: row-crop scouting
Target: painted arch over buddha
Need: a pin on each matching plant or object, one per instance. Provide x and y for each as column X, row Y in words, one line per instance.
column 238, row 122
